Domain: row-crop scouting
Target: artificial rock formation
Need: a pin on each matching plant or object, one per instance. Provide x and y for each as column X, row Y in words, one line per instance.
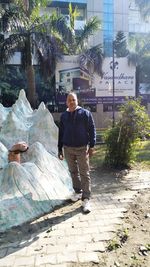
column 40, row 181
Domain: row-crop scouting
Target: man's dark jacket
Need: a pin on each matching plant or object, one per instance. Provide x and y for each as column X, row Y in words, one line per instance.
column 76, row 129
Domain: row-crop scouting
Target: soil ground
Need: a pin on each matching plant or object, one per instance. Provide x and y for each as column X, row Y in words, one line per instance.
column 135, row 250
column 130, row 246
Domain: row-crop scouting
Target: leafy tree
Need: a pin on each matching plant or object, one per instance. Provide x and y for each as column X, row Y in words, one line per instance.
column 145, row 71
column 138, row 54
column 44, row 38
column 120, row 140
column 33, row 36
column 144, row 7
column 120, row 45
column 11, row 75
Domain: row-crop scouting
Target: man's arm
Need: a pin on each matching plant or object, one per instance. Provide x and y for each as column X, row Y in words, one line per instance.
column 92, row 131
column 60, row 140
column 92, row 135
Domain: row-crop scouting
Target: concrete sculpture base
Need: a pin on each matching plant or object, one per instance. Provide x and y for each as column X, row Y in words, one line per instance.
column 40, row 181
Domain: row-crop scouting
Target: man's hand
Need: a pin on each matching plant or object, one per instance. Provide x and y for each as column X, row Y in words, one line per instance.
column 60, row 155
column 91, row 151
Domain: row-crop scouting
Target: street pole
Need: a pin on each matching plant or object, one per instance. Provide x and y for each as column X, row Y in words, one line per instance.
column 113, row 85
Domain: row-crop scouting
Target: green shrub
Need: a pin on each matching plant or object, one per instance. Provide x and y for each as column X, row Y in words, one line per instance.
column 121, row 139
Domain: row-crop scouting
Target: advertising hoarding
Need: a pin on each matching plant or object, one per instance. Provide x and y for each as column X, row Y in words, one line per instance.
column 91, row 88
column 124, row 79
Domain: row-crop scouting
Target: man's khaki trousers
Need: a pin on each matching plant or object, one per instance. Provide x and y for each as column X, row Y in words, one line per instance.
column 78, row 162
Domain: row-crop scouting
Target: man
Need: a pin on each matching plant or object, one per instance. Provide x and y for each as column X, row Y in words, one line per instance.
column 77, row 137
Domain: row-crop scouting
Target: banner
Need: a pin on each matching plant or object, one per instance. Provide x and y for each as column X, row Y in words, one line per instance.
column 124, row 79
column 92, row 88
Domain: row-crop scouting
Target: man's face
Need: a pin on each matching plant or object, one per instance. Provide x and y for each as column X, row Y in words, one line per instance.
column 72, row 102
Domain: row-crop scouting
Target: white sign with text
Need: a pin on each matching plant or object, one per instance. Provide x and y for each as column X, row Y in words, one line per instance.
column 69, row 76
column 124, row 79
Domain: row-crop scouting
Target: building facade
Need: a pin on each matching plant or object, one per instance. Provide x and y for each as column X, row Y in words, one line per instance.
column 115, row 16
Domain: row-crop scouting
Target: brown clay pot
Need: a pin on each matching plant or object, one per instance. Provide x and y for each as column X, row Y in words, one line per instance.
column 12, row 156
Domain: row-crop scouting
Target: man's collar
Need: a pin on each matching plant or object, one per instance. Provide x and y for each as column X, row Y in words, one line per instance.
column 78, row 107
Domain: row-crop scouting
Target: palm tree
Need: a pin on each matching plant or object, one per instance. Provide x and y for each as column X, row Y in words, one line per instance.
column 144, row 7
column 90, row 58
column 30, row 32
column 45, row 38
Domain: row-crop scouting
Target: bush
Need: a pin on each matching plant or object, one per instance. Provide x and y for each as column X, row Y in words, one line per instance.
column 120, row 140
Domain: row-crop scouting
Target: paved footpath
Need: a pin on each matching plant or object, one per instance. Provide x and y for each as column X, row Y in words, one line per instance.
column 67, row 235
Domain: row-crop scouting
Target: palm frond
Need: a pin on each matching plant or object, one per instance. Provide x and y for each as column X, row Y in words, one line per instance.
column 49, row 52
column 13, row 19
column 92, row 60
column 73, row 14
column 90, row 28
column 10, row 46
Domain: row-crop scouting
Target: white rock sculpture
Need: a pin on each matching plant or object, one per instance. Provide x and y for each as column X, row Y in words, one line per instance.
column 41, row 181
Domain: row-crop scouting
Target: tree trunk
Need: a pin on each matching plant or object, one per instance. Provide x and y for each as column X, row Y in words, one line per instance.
column 31, row 93
column 137, row 81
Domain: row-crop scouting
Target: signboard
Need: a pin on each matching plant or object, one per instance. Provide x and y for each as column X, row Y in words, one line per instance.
column 124, row 79
column 69, row 75
column 92, row 88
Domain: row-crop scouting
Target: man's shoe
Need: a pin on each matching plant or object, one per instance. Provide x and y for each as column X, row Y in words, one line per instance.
column 75, row 197
column 86, row 206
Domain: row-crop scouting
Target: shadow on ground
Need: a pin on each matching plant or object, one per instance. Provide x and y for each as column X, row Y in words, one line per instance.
column 108, row 181
column 22, row 236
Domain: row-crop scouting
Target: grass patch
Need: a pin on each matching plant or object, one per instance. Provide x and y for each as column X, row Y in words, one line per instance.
column 98, row 158
column 100, row 133
column 142, row 155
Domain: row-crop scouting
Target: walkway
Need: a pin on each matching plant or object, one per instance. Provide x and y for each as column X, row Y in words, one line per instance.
column 67, row 236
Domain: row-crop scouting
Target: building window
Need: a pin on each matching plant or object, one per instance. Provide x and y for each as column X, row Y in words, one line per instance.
column 62, row 8
column 109, row 107
column 108, row 26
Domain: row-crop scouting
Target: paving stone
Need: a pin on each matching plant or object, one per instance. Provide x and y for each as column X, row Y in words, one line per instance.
column 19, row 261
column 42, row 249
column 45, row 259
column 97, row 246
column 102, row 237
column 75, row 239
column 56, row 265
column 16, row 251
column 74, row 231
column 88, row 257
column 91, row 230
column 67, row 257
column 7, row 261
column 51, row 249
